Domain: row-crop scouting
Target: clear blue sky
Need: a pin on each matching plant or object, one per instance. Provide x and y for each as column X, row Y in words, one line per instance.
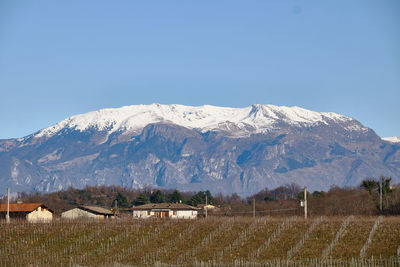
column 61, row 58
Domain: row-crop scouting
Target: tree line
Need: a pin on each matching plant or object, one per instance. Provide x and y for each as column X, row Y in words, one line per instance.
column 372, row 197
column 112, row 197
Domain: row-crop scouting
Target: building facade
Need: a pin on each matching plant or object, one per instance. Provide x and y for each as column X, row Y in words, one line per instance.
column 88, row 212
column 32, row 212
column 165, row 210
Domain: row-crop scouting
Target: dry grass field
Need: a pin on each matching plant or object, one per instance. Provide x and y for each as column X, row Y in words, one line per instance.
column 222, row 241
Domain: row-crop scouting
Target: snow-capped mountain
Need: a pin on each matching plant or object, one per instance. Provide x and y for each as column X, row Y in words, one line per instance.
column 392, row 139
column 193, row 148
column 254, row 119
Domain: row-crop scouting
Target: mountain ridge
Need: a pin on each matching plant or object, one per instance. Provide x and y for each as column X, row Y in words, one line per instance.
column 239, row 150
column 392, row 139
column 135, row 117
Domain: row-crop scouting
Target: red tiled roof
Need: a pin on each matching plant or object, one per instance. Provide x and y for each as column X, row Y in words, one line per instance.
column 23, row 207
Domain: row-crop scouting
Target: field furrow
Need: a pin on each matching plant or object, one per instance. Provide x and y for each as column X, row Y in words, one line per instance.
column 240, row 241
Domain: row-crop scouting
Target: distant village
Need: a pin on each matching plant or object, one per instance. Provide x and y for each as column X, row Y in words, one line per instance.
column 372, row 197
column 39, row 212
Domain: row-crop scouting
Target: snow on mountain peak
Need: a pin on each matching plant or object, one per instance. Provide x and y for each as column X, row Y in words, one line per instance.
column 257, row 117
column 392, row 139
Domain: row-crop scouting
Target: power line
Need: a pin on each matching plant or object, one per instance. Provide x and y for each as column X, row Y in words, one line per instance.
column 257, row 211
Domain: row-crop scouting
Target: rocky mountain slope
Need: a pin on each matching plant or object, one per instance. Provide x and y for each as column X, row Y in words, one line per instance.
column 221, row 149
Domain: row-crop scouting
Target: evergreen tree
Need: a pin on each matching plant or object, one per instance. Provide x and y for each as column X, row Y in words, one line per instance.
column 122, row 201
column 200, row 198
column 370, row 185
column 176, row 197
column 210, row 198
column 300, row 195
column 141, row 200
column 157, row 197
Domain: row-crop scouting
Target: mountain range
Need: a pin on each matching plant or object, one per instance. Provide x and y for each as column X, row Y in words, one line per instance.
column 228, row 150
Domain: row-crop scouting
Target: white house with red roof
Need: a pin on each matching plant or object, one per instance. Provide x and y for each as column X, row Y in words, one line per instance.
column 165, row 210
column 32, row 212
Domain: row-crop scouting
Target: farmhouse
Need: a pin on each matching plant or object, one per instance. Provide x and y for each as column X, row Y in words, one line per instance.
column 165, row 210
column 32, row 212
column 209, row 206
column 92, row 212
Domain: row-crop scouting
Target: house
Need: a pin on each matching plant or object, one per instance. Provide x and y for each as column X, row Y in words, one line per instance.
column 32, row 212
column 208, row 206
column 165, row 210
column 91, row 212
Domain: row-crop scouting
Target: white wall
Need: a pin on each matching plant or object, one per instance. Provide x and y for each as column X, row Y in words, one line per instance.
column 180, row 214
column 39, row 215
column 79, row 213
column 141, row 214
column 186, row 214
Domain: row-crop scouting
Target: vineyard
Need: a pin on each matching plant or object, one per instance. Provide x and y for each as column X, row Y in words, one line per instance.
column 215, row 241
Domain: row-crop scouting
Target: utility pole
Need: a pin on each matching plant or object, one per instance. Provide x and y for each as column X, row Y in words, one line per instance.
column 380, row 194
column 305, row 202
column 254, row 207
column 206, row 206
column 115, row 209
column 8, row 206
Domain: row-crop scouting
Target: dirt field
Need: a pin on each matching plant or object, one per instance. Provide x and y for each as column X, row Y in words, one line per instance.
column 213, row 241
